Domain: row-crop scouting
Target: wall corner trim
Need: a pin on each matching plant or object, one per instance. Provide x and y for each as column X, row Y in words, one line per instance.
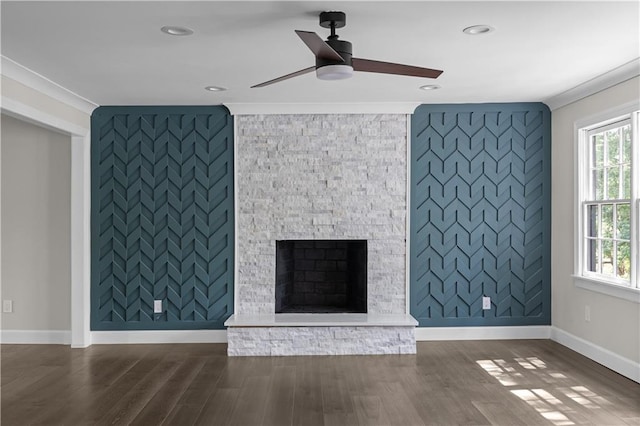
column 158, row 337
column 604, row 81
column 425, row 334
column 609, row 359
column 42, row 84
column 238, row 108
column 35, row 337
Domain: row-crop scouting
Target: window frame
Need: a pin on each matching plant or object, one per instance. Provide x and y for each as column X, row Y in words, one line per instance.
column 583, row 129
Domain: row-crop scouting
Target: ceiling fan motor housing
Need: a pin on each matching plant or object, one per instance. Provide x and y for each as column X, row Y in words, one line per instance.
column 343, row 48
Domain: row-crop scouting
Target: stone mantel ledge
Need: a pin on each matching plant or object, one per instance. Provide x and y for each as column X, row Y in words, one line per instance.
column 321, row 320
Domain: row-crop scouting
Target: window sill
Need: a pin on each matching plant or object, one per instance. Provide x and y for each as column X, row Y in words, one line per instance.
column 614, row 290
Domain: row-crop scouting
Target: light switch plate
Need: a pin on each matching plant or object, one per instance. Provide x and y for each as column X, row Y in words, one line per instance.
column 486, row 303
column 7, row 306
column 587, row 313
column 157, row 306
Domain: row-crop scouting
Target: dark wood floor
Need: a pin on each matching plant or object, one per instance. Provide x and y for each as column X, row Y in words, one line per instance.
column 448, row 383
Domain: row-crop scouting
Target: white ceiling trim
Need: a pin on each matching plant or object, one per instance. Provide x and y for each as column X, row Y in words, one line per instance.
column 322, row 108
column 35, row 116
column 42, row 84
column 609, row 79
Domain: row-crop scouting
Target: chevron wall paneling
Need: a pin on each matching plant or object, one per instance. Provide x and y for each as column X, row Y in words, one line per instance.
column 161, row 217
column 480, row 214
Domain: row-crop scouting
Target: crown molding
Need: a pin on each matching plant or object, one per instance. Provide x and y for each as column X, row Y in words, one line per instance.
column 610, row 78
column 42, row 84
column 322, row 108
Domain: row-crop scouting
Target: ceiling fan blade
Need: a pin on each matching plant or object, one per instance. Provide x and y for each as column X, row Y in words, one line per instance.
column 285, row 77
column 368, row 65
column 318, row 46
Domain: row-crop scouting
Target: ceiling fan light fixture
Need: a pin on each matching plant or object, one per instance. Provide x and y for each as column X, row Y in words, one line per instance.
column 334, row 72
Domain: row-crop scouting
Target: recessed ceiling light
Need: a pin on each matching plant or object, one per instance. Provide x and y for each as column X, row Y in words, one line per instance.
column 215, row 89
column 430, row 87
column 176, row 31
column 478, row 29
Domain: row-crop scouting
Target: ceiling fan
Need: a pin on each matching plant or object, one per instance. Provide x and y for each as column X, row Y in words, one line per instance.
column 334, row 59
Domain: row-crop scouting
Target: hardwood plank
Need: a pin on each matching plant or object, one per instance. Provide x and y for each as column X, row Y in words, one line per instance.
column 42, row 396
column 279, row 398
column 370, row 411
column 625, row 407
column 337, row 406
column 218, row 408
column 498, row 413
column 250, row 405
column 307, row 401
column 110, row 394
column 195, row 396
column 132, row 402
column 159, row 407
column 77, row 396
column 397, row 405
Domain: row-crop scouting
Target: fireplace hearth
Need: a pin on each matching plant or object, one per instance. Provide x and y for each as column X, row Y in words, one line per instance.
column 321, row 276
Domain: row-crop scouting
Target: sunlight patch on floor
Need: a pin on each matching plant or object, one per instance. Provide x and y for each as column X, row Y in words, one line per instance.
column 544, row 403
column 583, row 396
column 531, row 363
column 518, row 372
column 498, row 368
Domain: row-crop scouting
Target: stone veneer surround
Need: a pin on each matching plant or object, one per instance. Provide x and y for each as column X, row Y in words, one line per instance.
column 321, row 177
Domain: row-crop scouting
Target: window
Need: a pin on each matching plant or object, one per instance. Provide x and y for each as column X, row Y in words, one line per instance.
column 609, row 185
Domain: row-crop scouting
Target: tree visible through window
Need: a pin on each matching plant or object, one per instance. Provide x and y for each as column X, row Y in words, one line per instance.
column 607, row 201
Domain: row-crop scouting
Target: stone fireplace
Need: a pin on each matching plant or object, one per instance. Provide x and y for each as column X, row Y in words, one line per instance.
column 306, row 183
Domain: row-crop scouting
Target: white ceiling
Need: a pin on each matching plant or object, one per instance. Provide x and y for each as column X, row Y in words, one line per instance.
column 113, row 53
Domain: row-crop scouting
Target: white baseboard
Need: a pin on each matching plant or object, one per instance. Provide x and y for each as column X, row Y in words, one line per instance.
column 483, row 333
column 158, row 336
column 36, row 337
column 611, row 360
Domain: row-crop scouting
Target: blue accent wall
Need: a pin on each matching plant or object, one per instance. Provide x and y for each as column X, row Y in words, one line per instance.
column 481, row 214
column 161, row 217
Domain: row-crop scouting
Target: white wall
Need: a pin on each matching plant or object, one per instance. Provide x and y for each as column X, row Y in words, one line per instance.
column 615, row 323
column 36, row 228
column 28, row 95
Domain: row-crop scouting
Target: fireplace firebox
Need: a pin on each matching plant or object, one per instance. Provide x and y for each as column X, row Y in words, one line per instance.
column 321, row 276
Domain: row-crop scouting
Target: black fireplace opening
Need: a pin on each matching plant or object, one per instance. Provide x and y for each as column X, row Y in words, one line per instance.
column 321, row 276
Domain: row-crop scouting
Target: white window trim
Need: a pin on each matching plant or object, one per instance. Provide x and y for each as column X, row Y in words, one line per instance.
column 601, row 285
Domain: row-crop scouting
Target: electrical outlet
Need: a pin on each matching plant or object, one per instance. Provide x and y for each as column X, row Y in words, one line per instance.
column 157, row 306
column 7, row 306
column 486, row 302
column 587, row 313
